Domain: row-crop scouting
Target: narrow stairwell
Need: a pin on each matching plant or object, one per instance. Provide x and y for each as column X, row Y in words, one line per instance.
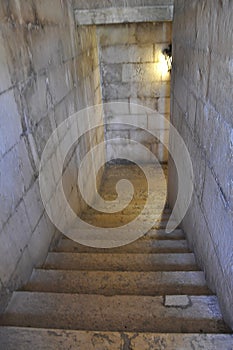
column 149, row 294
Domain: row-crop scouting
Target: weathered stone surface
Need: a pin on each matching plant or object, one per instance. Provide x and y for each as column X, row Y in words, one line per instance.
column 157, row 246
column 146, row 33
column 121, row 283
column 131, row 69
column 111, row 73
column 10, row 125
column 33, row 204
column 93, row 4
column 127, row 54
column 140, row 72
column 202, row 113
column 179, row 301
column 115, row 289
column 87, row 312
column 124, row 15
column 25, row 338
column 5, row 83
column 118, row 35
column 49, row 69
column 121, row 262
column 9, row 257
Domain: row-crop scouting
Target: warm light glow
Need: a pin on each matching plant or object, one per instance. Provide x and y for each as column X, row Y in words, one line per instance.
column 163, row 67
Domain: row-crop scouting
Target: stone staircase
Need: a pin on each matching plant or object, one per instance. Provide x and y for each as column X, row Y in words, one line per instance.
column 149, row 294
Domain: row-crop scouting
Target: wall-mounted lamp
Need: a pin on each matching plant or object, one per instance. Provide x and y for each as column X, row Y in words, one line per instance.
column 168, row 56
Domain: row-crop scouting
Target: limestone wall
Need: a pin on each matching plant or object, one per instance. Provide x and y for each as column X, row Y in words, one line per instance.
column 132, row 71
column 48, row 70
column 202, row 104
column 94, row 4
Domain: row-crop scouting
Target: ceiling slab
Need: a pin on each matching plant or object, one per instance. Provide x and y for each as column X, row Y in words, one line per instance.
column 114, row 15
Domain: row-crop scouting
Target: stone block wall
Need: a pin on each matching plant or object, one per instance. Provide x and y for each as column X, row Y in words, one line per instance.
column 95, row 4
column 132, row 71
column 202, row 105
column 49, row 69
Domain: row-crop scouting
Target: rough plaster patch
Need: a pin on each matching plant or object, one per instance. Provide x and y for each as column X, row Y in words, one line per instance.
column 180, row 301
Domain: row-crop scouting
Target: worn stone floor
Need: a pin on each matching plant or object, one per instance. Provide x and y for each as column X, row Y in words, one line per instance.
column 157, row 174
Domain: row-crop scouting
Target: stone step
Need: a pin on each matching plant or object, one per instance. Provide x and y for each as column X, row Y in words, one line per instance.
column 20, row 338
column 114, row 220
column 140, row 179
column 118, row 283
column 161, row 234
column 121, row 262
column 129, row 211
column 137, row 181
column 120, row 216
column 162, row 225
column 140, row 192
column 114, row 313
column 177, row 234
column 139, row 246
